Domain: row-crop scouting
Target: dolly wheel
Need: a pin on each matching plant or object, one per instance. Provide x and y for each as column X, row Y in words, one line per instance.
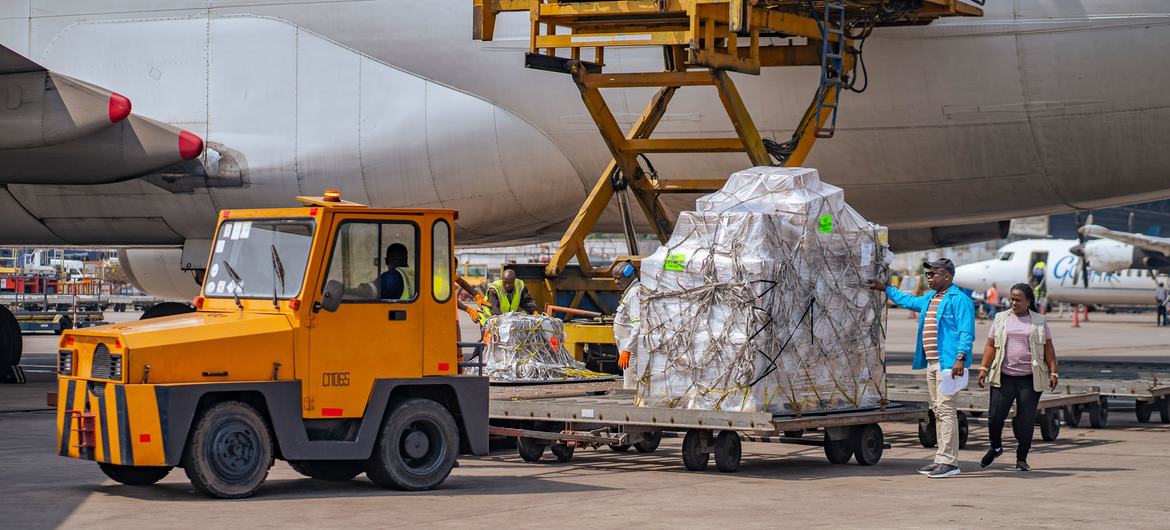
column 1072, row 415
column 927, row 433
column 868, row 443
column 838, row 451
column 650, row 443
column 230, row 451
column 692, row 451
column 728, row 452
column 1143, row 410
column 1049, row 425
column 416, row 447
column 563, row 452
column 1164, row 408
column 1099, row 413
column 530, row 449
column 964, row 429
column 134, row 475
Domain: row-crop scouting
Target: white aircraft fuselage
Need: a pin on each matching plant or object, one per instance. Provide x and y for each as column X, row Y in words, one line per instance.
column 1062, row 275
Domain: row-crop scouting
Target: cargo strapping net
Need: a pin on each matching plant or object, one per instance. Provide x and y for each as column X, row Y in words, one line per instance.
column 758, row 302
column 523, row 347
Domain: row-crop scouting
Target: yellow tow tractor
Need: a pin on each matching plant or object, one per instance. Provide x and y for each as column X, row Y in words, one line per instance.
column 323, row 336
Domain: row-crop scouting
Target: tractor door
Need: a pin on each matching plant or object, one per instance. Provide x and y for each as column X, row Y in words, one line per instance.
column 377, row 330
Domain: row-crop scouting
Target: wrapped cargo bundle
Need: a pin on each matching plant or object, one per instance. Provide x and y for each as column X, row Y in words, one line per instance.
column 758, row 301
column 530, row 348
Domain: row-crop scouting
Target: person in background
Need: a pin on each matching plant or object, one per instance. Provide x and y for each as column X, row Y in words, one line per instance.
column 1019, row 362
column 1160, row 298
column 626, row 320
column 509, row 295
column 1038, row 272
column 946, row 333
column 471, row 290
column 991, row 301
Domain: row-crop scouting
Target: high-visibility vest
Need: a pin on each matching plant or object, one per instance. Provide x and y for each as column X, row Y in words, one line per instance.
column 407, row 282
column 508, row 305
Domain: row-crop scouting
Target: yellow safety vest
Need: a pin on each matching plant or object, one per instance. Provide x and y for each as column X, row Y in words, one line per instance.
column 508, row 305
column 407, row 282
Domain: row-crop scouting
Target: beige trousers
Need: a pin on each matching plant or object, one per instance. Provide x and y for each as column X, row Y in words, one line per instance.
column 946, row 418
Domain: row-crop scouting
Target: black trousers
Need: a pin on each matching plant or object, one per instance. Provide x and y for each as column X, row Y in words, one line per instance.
column 1014, row 389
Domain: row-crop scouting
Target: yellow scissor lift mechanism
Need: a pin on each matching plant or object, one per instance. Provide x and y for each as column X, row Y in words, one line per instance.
column 702, row 40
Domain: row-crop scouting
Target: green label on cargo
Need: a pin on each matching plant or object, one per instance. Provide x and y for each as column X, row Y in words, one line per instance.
column 825, row 223
column 675, row 262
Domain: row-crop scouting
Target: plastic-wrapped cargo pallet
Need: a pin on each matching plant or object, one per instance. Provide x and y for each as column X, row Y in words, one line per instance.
column 530, row 348
column 758, row 301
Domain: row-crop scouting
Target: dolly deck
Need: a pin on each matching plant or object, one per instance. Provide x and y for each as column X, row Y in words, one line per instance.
column 608, row 416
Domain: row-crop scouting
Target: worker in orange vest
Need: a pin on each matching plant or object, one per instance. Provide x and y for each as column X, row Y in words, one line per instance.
column 991, row 301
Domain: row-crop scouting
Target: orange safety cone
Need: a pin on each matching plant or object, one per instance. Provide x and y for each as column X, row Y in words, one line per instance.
column 1086, row 317
column 1076, row 317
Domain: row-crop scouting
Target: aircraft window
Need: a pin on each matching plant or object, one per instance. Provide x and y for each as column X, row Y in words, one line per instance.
column 1005, row 256
column 1127, row 271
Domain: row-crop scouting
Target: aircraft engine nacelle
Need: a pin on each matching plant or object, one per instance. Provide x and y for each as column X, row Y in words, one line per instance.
column 1104, row 255
column 159, row 272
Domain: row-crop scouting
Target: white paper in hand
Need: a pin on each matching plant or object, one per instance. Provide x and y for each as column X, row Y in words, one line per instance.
column 950, row 385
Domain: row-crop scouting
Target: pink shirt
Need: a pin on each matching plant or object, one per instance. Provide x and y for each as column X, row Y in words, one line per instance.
column 1017, row 356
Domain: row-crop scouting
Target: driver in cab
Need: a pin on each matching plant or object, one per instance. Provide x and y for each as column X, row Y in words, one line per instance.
column 397, row 283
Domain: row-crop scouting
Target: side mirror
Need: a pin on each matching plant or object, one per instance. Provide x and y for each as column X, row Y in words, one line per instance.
column 331, row 297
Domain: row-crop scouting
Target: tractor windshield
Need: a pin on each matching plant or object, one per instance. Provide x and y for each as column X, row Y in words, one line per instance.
column 255, row 258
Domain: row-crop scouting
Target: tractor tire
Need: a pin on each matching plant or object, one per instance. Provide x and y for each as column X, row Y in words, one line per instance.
column 416, row 448
column 63, row 325
column 229, row 452
column 11, row 343
column 650, row 443
column 166, row 309
column 330, row 470
column 134, row 475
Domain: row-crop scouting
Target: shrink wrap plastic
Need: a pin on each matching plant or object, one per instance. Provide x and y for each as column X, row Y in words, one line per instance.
column 758, row 301
column 529, row 347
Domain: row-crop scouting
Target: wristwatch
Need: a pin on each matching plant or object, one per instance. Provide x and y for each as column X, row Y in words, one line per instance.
column 961, row 356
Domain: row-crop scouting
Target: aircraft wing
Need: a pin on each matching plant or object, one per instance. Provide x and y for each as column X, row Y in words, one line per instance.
column 1159, row 245
column 58, row 130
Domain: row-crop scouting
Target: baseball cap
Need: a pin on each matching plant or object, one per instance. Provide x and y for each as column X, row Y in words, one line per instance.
column 941, row 263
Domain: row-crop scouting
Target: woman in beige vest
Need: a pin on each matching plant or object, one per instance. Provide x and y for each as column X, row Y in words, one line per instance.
column 1020, row 363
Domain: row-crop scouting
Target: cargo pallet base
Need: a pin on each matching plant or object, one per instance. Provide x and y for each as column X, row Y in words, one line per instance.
column 610, row 418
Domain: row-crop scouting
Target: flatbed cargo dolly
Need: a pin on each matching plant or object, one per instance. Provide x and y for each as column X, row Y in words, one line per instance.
column 610, row 417
column 974, row 403
column 1147, row 383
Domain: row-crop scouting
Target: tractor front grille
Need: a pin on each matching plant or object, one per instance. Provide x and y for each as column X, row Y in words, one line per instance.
column 101, row 362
